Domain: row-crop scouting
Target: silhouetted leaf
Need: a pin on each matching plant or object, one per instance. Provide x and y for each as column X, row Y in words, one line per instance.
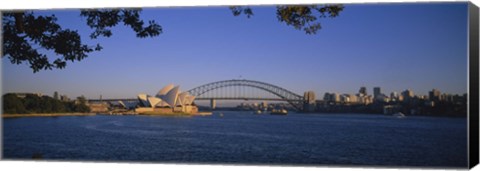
column 301, row 17
column 25, row 33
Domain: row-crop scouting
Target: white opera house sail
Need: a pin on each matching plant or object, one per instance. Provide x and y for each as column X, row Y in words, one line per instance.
column 169, row 98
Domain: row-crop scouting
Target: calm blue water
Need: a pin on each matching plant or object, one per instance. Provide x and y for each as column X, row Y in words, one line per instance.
column 243, row 138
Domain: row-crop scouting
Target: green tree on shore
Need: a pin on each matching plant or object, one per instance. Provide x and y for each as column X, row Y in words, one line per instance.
column 33, row 103
column 81, row 105
column 58, row 106
column 12, row 104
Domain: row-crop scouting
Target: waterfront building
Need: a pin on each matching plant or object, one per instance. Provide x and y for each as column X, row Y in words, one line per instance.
column 168, row 99
column 98, row 107
column 369, row 99
column 264, row 104
column 430, row 103
column 365, row 99
column 353, row 98
column 423, row 97
column 361, row 99
column 381, row 98
column 376, row 92
column 394, row 95
column 407, row 95
column 434, row 95
column 344, row 98
column 326, row 97
column 363, row 91
column 309, row 100
column 336, row 97
column 331, row 97
column 448, row 97
column 400, row 98
column 309, row 97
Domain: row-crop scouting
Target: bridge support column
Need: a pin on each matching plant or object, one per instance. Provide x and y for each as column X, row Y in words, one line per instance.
column 213, row 104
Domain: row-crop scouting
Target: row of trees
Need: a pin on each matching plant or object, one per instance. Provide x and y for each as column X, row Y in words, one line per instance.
column 12, row 104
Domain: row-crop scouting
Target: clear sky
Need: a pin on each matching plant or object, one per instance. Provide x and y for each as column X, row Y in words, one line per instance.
column 394, row 46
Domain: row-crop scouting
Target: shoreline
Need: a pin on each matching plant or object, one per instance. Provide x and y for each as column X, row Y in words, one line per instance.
column 46, row 115
column 207, row 113
column 94, row 114
column 175, row 114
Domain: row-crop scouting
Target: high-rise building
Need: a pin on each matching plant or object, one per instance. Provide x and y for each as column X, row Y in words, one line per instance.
column 309, row 97
column 407, row 94
column 335, row 97
column 310, row 101
column 376, row 92
column 326, row 97
column 363, row 91
column 434, row 95
column 394, row 96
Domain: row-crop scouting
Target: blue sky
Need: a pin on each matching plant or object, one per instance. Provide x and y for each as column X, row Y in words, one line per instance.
column 394, row 46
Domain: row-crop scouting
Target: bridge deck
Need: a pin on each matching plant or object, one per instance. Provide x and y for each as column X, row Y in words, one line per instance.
column 243, row 98
column 200, row 98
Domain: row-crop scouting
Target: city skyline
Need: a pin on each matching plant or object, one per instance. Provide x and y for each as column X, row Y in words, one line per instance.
column 393, row 46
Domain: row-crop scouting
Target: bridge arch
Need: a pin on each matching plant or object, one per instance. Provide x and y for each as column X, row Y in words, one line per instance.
column 294, row 99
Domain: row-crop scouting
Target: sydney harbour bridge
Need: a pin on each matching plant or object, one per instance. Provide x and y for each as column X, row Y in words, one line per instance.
column 238, row 89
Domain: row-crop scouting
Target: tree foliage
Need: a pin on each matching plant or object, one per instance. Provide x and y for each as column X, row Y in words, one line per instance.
column 301, row 17
column 25, row 33
column 103, row 20
column 12, row 104
column 27, row 36
column 238, row 10
column 80, row 105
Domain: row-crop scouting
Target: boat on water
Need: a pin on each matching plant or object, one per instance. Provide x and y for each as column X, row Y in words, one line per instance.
column 279, row 112
column 258, row 112
column 399, row 115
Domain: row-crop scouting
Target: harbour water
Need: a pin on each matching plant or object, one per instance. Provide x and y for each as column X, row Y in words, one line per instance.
column 242, row 138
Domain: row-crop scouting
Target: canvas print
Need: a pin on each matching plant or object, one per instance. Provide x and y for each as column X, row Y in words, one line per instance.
column 311, row 85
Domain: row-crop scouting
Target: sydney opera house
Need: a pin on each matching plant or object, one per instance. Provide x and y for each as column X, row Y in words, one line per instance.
column 168, row 100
